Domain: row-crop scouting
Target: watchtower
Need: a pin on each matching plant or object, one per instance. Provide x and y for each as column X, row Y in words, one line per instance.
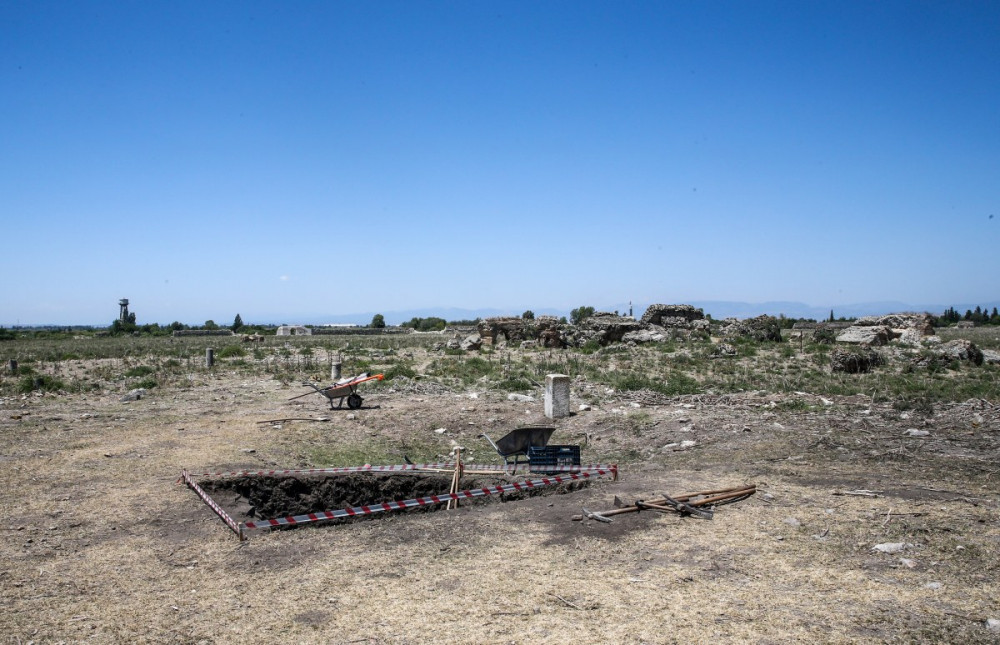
column 123, row 312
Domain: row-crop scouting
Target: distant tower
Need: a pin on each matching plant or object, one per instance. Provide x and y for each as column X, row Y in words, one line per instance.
column 123, row 313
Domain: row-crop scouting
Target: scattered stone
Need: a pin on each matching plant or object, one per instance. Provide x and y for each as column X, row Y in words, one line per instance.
column 688, row 443
column 524, row 398
column 249, row 451
column 991, row 357
column 351, row 417
column 908, row 563
column 875, row 336
column 440, row 431
column 471, row 343
column 584, row 408
column 134, row 395
column 913, row 432
column 993, row 624
column 933, row 585
column 961, row 350
column 723, row 350
column 892, row 547
column 761, row 328
column 859, row 361
column 643, row 336
column 792, row 521
column 606, row 328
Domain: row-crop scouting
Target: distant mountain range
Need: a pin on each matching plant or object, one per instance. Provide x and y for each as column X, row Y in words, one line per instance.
column 718, row 309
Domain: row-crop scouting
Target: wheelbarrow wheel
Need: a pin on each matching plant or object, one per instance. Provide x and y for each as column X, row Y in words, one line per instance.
column 354, row 401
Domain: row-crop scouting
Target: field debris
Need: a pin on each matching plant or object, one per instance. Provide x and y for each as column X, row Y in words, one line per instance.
column 687, row 505
column 280, row 421
column 892, row 547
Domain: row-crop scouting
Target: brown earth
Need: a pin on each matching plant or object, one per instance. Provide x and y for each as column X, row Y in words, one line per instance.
column 102, row 544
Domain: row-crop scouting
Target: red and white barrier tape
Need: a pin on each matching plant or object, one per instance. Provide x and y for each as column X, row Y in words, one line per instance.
column 211, row 504
column 501, row 470
column 423, row 501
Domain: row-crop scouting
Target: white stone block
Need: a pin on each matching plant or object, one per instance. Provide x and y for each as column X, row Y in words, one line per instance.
column 556, row 396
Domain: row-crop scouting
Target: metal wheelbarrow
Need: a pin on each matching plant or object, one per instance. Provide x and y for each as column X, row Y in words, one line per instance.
column 346, row 388
column 517, row 442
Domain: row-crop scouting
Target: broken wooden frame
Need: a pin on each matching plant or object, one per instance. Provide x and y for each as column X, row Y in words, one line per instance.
column 686, row 504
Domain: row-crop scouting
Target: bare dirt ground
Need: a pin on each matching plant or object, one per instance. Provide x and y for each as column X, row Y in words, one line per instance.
column 102, row 544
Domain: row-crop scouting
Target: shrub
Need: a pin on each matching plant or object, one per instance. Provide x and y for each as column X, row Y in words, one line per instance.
column 229, row 351
column 139, row 370
column 400, row 370
column 41, row 382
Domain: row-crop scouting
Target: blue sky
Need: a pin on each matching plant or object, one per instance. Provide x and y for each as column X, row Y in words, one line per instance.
column 290, row 161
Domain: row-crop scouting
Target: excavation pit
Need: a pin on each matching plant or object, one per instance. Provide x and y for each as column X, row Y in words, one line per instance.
column 256, row 498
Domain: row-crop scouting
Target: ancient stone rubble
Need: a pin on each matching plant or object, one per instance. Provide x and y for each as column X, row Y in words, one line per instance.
column 855, row 361
column 761, row 328
column 880, row 330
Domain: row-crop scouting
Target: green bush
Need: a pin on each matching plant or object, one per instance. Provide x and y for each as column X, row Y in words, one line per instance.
column 230, row 351
column 147, row 383
column 400, row 369
column 140, row 370
column 674, row 384
column 41, row 382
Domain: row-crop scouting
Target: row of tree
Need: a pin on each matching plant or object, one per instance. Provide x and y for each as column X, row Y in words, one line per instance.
column 980, row 316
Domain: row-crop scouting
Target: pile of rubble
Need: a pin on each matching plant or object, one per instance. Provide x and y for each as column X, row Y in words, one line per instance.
column 761, row 329
column 855, row 361
column 955, row 350
column 544, row 330
column 659, row 323
column 881, row 330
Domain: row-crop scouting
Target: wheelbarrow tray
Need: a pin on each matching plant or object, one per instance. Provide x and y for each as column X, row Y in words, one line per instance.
column 517, row 441
column 345, row 386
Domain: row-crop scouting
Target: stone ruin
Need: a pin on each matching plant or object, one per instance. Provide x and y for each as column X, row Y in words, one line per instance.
column 881, row 330
column 544, row 329
column 762, row 328
column 293, row 330
column 855, row 361
column 659, row 323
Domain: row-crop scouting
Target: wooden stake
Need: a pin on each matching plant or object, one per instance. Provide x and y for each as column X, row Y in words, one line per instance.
column 456, row 477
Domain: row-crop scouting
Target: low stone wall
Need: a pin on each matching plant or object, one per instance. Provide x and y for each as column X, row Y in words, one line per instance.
column 203, row 332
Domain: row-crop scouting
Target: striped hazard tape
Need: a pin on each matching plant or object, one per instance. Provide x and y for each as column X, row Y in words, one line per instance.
column 341, row 470
column 371, row 509
column 211, row 504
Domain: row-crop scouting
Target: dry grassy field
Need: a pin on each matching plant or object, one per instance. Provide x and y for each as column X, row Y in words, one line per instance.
column 101, row 543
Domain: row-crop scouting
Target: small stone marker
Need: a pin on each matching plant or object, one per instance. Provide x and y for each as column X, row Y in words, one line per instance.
column 335, row 368
column 13, row 366
column 209, row 357
column 556, row 396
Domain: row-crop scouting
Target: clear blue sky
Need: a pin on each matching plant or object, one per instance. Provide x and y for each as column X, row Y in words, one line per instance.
column 290, row 160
